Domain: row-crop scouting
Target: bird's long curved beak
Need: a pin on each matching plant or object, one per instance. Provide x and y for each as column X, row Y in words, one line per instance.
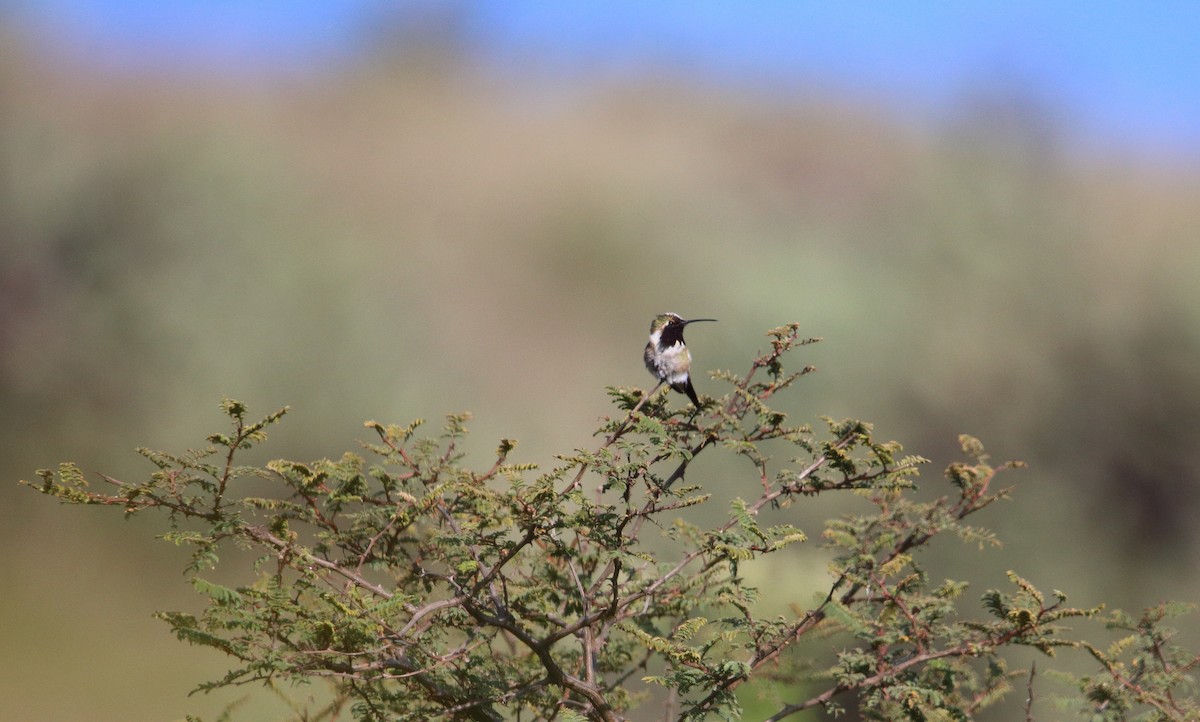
column 694, row 320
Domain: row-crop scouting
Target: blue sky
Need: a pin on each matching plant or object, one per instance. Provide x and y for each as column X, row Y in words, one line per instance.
column 1126, row 72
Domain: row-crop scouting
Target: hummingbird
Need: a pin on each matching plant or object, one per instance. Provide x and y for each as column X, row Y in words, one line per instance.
column 667, row 355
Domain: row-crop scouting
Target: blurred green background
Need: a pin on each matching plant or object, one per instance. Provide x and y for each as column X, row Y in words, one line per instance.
column 413, row 229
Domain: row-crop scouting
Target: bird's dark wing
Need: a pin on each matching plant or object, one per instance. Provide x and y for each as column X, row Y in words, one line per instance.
column 687, row 388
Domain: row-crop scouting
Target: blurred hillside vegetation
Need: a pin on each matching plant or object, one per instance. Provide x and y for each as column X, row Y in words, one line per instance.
column 413, row 233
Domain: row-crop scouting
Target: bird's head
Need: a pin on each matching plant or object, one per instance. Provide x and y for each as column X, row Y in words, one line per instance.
column 672, row 321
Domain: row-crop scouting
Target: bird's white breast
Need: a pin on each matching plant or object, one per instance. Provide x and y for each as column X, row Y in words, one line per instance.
column 673, row 363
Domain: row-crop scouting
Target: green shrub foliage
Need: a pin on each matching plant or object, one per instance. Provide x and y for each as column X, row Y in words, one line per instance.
column 420, row 588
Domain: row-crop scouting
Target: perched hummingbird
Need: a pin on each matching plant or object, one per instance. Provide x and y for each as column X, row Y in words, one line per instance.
column 667, row 355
